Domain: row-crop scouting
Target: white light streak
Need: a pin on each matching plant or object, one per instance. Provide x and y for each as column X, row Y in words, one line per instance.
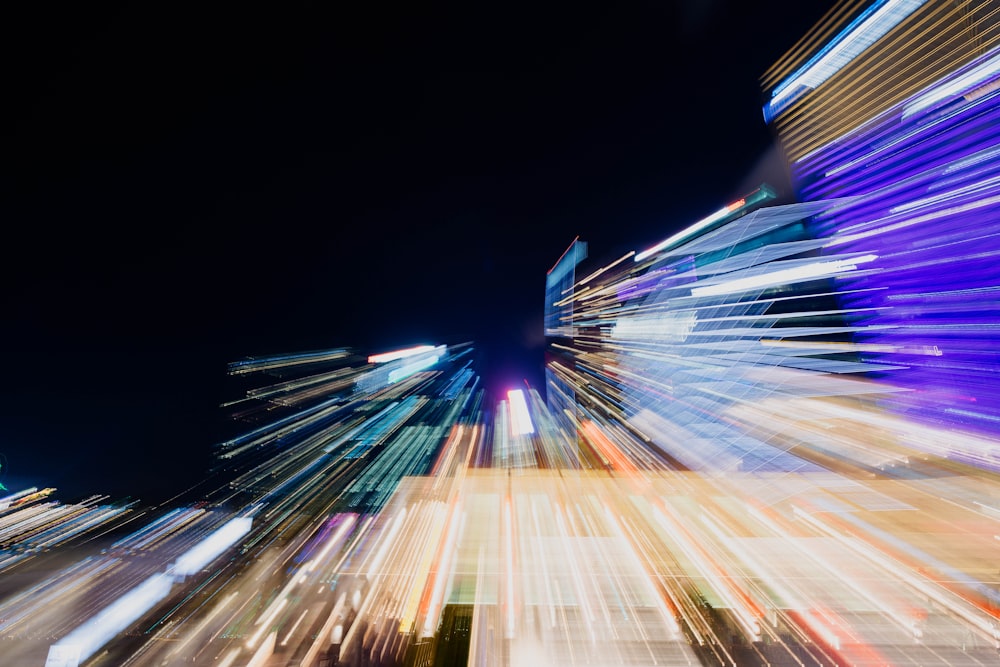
column 399, row 354
column 115, row 618
column 968, row 81
column 856, row 39
column 211, row 547
column 685, row 234
column 784, row 276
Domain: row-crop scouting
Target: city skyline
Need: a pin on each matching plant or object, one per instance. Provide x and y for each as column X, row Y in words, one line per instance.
column 765, row 435
column 194, row 187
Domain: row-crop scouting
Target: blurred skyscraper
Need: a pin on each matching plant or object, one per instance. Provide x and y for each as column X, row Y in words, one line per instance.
column 893, row 105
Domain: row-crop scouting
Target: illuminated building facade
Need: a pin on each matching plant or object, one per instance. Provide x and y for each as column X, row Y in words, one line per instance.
column 896, row 104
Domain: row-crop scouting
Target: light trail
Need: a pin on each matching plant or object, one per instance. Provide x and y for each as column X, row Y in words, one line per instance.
column 772, row 438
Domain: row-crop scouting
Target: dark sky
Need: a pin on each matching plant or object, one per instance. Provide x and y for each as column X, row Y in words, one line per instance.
column 186, row 184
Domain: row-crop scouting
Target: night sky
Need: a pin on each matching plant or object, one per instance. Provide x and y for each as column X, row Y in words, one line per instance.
column 185, row 185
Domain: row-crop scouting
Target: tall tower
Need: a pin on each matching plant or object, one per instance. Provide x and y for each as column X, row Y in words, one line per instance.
column 894, row 106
